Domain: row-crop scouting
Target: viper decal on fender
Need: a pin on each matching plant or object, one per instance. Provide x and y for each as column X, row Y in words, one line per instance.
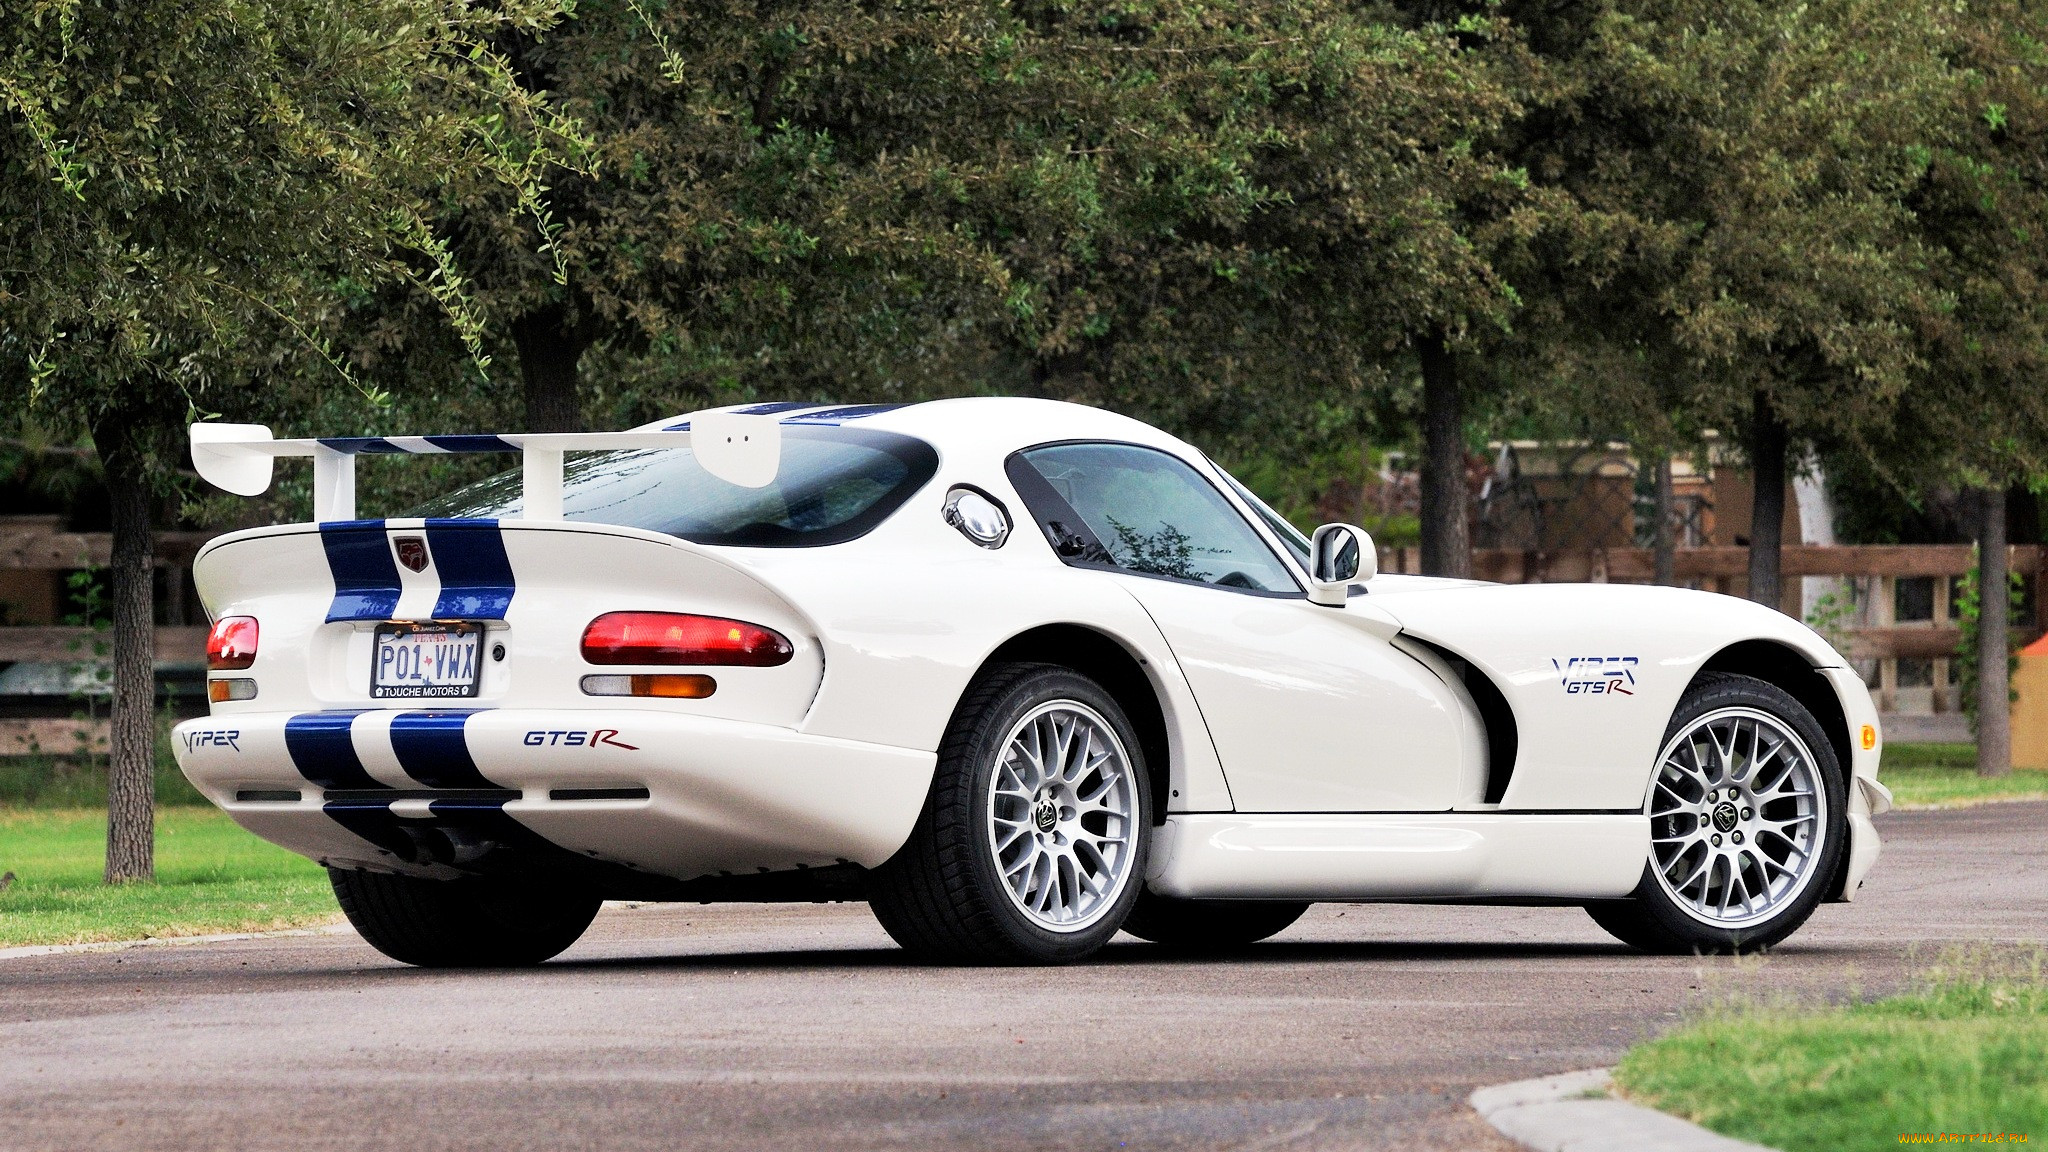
column 1597, row 675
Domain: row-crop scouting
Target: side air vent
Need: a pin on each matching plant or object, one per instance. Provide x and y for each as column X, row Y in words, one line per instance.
column 1503, row 738
column 267, row 796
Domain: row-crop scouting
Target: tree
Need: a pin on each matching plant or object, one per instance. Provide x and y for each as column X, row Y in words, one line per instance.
column 1128, row 203
column 1290, row 193
column 786, row 191
column 191, row 189
column 1735, row 231
column 1978, row 411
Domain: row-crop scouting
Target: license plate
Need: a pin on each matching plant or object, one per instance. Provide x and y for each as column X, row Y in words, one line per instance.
column 425, row 661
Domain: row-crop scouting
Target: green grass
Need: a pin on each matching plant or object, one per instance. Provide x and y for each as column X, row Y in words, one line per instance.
column 211, row 877
column 1966, row 1051
column 81, row 782
column 1945, row 776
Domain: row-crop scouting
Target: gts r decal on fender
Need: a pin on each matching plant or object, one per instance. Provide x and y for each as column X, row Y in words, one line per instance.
column 1597, row 675
column 213, row 738
column 609, row 736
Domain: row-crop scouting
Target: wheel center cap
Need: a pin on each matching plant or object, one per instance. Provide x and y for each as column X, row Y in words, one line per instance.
column 1726, row 817
column 1045, row 813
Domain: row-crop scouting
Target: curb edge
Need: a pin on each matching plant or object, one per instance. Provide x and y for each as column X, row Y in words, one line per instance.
column 1577, row 1111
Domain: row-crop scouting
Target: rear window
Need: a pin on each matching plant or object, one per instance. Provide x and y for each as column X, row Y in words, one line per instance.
column 834, row 484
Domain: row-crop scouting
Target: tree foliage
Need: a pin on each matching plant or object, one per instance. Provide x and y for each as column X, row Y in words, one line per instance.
column 190, row 190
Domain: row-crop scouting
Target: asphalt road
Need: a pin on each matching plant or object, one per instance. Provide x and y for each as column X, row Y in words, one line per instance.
column 800, row 1027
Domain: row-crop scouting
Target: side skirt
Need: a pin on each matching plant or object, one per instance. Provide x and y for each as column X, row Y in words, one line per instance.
column 1429, row 856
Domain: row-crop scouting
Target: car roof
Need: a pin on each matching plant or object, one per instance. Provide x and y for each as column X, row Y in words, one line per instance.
column 998, row 424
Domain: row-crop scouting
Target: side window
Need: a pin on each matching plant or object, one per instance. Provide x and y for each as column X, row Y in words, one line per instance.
column 1143, row 511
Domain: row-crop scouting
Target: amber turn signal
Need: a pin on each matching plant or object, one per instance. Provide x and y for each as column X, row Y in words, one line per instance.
column 238, row 688
column 1869, row 737
column 672, row 686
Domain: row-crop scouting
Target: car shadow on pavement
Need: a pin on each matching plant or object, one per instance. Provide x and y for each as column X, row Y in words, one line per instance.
column 1123, row 954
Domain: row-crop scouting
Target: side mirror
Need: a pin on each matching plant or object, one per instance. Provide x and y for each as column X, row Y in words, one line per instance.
column 1340, row 555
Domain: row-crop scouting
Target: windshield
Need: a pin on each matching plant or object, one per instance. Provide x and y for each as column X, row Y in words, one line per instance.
column 1288, row 533
column 834, row 484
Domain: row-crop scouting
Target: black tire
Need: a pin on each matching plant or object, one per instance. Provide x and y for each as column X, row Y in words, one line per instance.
column 471, row 923
column 942, row 896
column 1209, row 925
column 1651, row 918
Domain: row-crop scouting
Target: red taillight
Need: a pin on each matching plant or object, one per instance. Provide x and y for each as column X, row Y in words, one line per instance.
column 677, row 638
column 231, row 644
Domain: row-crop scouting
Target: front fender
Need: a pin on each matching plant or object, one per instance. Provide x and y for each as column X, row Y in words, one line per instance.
column 1591, row 672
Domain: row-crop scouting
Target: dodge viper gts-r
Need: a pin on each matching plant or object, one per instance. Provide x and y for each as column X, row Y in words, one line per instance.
column 1019, row 674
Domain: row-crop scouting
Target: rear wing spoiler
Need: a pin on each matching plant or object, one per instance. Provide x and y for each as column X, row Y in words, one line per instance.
column 739, row 448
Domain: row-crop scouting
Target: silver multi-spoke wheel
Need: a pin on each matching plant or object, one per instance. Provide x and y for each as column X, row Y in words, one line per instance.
column 1062, row 816
column 1031, row 846
column 1737, row 817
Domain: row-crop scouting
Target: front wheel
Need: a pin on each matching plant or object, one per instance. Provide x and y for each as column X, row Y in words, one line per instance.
column 1747, row 824
column 468, row 923
column 1031, row 846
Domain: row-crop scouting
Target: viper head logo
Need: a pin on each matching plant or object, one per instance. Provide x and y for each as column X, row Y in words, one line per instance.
column 412, row 552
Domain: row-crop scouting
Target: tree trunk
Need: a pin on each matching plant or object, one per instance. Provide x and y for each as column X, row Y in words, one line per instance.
column 1767, row 506
column 131, row 761
column 549, row 349
column 1994, row 648
column 1663, row 542
column 1446, row 537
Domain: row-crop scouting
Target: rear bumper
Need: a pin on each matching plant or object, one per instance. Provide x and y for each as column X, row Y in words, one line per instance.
column 431, row 792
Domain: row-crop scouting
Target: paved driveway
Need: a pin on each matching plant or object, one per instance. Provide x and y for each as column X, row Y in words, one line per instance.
column 799, row 1027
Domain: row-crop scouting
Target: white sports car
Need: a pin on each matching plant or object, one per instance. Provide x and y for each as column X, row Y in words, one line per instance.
column 1018, row 673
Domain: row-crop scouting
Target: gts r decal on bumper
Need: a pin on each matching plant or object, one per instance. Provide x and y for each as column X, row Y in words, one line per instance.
column 546, row 738
column 1597, row 675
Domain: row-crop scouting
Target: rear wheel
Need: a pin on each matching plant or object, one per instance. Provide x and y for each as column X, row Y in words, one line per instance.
column 1747, row 824
column 470, row 923
column 1031, row 846
column 1209, row 925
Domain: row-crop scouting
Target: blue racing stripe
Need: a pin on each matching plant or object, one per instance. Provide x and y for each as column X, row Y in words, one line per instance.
column 470, row 444
column 358, row 445
column 365, row 575
column 431, row 748
column 322, row 751
column 835, row 415
column 476, row 575
column 772, row 407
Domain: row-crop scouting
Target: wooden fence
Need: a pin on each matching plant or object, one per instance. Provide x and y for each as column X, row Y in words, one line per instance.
column 34, row 544
column 34, row 555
